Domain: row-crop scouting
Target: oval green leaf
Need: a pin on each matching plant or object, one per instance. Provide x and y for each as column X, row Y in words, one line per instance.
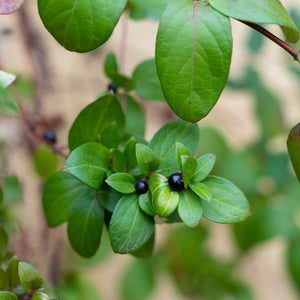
column 147, row 160
column 85, row 226
column 228, row 204
column 193, row 55
column 145, row 202
column 202, row 190
column 122, row 182
column 89, row 163
column 80, row 25
column 12, row 275
column 130, row 227
column 108, row 197
column 259, row 11
column 181, row 150
column 39, row 296
column 94, row 119
column 10, row 6
column 293, row 145
column 205, row 164
column 8, row 296
column 189, row 165
column 189, row 208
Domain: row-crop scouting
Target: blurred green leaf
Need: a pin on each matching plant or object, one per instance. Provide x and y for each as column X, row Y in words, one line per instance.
column 129, row 153
column 12, row 191
column 3, row 241
column 122, row 182
column 12, row 273
column 293, row 144
column 118, row 160
column 8, row 296
column 146, row 158
column 255, row 42
column 3, row 281
column 135, row 118
column 293, row 260
column 146, row 250
column 40, row 296
column 29, row 277
column 111, row 65
column 181, row 149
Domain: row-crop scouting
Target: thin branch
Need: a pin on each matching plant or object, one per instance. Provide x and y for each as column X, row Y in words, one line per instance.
column 294, row 53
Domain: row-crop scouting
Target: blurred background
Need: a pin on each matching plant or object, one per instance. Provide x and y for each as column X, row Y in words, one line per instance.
column 247, row 129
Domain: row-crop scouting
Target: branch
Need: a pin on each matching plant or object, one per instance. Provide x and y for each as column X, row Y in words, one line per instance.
column 294, row 53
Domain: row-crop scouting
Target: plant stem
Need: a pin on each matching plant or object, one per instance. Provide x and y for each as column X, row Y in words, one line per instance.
column 294, row 53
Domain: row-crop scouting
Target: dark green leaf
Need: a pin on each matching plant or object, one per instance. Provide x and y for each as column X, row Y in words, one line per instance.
column 3, row 241
column 146, row 158
column 259, row 11
column 122, row 182
column 147, row 85
column 8, row 296
column 45, row 162
column 137, row 281
column 3, row 281
column 12, row 191
column 202, row 190
column 193, row 55
column 12, row 273
column 111, row 135
column 146, row 250
column 122, row 81
column 130, row 227
column 94, row 119
column 205, row 164
column 1, row 196
column 145, row 202
column 29, row 277
column 80, row 25
column 85, row 226
column 6, row 79
column 111, row 65
column 294, row 261
column 135, row 118
column 293, row 144
column 39, row 296
column 89, row 163
column 129, row 153
column 118, row 160
column 228, row 204
column 181, row 150
column 189, row 208
column 189, row 165
column 108, row 197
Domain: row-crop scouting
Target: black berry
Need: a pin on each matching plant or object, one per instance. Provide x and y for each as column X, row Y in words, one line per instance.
column 111, row 87
column 50, row 136
column 141, row 187
column 176, row 182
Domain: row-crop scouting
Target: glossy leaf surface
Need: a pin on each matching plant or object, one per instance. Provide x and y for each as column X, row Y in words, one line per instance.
column 30, row 279
column 205, row 163
column 147, row 160
column 122, row 182
column 202, row 190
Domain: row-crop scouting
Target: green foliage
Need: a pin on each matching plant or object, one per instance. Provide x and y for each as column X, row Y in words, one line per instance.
column 146, row 159
column 12, row 192
column 29, row 277
column 293, row 144
column 122, row 182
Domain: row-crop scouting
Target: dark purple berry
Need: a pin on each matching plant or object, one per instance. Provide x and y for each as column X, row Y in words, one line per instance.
column 50, row 136
column 111, row 87
column 176, row 182
column 141, row 187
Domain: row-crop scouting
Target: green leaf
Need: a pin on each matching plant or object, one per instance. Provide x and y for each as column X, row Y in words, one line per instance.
column 3, row 241
column 191, row 38
column 12, row 273
column 8, row 296
column 111, row 65
column 122, row 182
column 118, row 160
column 85, row 226
column 137, row 281
column 29, row 277
column 129, row 227
column 189, row 165
column 3, row 281
column 129, row 153
column 150, row 9
column 202, row 190
column 60, row 193
column 293, row 145
column 164, row 143
column 93, row 120
column 9, row 7
column 189, row 208
column 147, row 85
column 45, row 162
column 205, row 164
column 228, row 204
column 146, row 158
column 80, row 25
column 259, row 11
column 8, row 104
column 135, row 118
column 1, row 196
column 12, row 191
column 111, row 135
column 39, row 296
column 294, row 260
column 6, row 79
column 146, row 250
column 108, row 197
column 181, row 150
column 89, row 163
column 145, row 202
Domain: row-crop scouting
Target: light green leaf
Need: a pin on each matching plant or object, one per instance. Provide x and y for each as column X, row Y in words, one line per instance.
column 29, row 277
column 12, row 191
column 8, row 296
column 145, row 202
column 9, row 7
column 146, row 158
column 80, row 25
column 39, row 296
column 193, row 55
column 205, row 164
column 293, row 145
column 129, row 227
column 93, row 120
column 228, row 204
column 111, row 65
column 3, row 241
column 189, row 165
column 181, row 150
column 189, row 208
column 147, row 85
column 122, row 182
column 89, row 163
column 259, row 11
column 85, row 226
column 60, row 193
column 202, row 190
column 6, row 79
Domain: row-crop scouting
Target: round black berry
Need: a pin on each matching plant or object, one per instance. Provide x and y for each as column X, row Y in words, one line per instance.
column 50, row 136
column 111, row 87
column 176, row 182
column 141, row 187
